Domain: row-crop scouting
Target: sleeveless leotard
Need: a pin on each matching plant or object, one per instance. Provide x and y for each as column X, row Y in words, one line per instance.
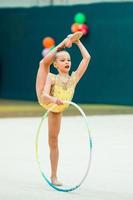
column 62, row 91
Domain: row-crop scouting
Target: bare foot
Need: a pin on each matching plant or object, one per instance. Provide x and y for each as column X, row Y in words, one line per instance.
column 75, row 36
column 55, row 182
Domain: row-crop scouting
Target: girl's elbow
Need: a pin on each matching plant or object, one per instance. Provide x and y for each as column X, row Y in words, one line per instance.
column 88, row 57
column 43, row 62
column 44, row 98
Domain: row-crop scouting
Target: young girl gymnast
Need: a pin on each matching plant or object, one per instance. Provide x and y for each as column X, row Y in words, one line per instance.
column 53, row 89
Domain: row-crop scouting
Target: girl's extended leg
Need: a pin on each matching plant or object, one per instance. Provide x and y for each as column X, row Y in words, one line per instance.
column 54, row 121
column 41, row 80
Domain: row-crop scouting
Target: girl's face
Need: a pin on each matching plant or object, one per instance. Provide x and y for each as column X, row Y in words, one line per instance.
column 63, row 62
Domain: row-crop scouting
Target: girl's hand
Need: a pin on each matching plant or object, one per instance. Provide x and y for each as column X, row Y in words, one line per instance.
column 75, row 37
column 76, row 41
column 57, row 101
column 68, row 42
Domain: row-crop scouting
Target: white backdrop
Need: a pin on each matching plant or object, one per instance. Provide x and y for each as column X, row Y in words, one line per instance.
column 111, row 173
column 30, row 3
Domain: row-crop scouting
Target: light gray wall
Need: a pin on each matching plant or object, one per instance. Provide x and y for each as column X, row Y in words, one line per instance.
column 30, row 3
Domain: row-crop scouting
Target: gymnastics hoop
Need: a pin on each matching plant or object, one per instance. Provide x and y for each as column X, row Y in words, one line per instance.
column 37, row 147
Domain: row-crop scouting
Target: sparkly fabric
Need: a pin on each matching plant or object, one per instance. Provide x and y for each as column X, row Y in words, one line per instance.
column 61, row 90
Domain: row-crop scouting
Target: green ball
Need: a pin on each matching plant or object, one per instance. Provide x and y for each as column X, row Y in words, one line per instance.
column 80, row 18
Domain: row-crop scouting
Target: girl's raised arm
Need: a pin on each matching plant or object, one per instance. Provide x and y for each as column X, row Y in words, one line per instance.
column 84, row 62
column 45, row 63
column 48, row 59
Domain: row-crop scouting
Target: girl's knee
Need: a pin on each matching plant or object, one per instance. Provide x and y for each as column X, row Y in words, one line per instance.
column 53, row 142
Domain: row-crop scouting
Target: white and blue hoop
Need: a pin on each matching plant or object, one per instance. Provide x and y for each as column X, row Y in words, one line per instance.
column 89, row 144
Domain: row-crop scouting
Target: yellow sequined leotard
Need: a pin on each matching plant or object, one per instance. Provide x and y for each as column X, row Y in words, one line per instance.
column 62, row 91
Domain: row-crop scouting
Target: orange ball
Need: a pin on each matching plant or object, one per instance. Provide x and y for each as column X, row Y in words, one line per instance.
column 48, row 42
column 75, row 27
